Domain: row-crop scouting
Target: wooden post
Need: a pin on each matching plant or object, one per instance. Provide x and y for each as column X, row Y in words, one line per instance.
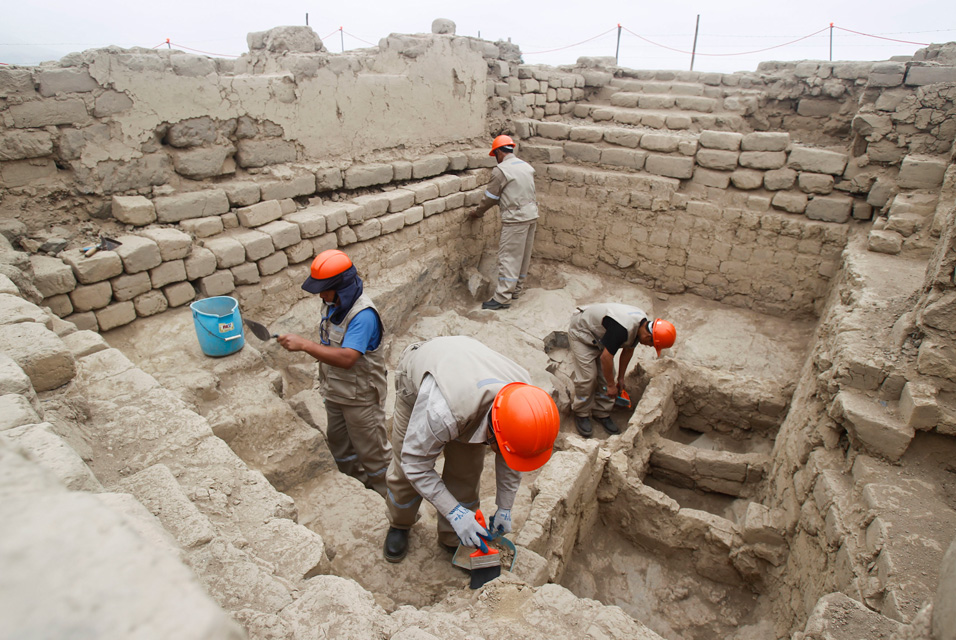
column 693, row 52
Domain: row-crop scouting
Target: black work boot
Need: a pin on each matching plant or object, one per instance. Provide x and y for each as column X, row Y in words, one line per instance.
column 494, row 305
column 396, row 544
column 583, row 425
column 608, row 425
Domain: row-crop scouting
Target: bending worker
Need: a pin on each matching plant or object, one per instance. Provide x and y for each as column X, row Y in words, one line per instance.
column 596, row 333
column 456, row 396
column 351, row 369
column 512, row 189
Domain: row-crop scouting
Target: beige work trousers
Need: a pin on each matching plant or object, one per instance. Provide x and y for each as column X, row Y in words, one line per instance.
column 461, row 475
column 358, row 442
column 590, row 387
column 514, row 258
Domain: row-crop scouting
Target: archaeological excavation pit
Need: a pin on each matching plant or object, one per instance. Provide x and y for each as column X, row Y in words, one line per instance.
column 786, row 469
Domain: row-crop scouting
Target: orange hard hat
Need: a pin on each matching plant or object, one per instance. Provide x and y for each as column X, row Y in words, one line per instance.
column 525, row 422
column 664, row 335
column 327, row 264
column 501, row 141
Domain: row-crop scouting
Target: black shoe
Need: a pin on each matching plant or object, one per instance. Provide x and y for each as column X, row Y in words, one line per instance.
column 608, row 425
column 494, row 305
column 396, row 544
column 583, row 425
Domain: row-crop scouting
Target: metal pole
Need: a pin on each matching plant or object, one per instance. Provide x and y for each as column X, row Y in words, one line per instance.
column 831, row 42
column 168, row 46
column 618, row 49
column 693, row 51
column 342, row 38
column 306, row 18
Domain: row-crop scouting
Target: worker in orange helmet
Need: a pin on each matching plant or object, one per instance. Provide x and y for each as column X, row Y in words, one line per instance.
column 351, row 368
column 597, row 332
column 512, row 189
column 455, row 396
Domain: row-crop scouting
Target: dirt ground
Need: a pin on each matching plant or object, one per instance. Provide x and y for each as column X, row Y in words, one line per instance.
column 352, row 520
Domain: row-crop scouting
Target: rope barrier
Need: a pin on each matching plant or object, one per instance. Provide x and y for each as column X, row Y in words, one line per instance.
column 870, row 35
column 221, row 55
column 636, row 35
column 533, row 53
column 743, row 53
column 371, row 44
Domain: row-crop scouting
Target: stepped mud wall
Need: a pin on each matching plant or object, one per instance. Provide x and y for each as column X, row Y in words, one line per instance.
column 816, row 191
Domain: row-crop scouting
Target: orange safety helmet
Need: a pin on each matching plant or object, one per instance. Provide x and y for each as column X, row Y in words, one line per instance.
column 664, row 334
column 501, row 141
column 525, row 422
column 327, row 264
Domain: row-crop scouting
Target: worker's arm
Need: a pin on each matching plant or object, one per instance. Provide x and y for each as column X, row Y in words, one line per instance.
column 483, row 206
column 492, row 193
column 507, row 482
column 342, row 357
column 622, row 362
column 607, row 368
column 431, row 425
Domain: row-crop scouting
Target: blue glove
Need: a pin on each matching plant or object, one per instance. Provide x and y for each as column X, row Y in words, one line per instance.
column 500, row 522
column 466, row 526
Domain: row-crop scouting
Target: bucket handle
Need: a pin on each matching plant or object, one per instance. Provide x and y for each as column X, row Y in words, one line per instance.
column 236, row 337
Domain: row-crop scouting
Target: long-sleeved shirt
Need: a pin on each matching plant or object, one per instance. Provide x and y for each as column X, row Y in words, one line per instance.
column 431, row 426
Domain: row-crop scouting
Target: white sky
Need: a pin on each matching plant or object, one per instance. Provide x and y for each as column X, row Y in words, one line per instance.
column 35, row 30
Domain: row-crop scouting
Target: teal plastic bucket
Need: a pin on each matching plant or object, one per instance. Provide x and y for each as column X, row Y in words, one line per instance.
column 218, row 325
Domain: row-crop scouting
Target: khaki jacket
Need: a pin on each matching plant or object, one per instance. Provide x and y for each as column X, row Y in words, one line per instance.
column 468, row 374
column 586, row 325
column 365, row 382
column 518, row 201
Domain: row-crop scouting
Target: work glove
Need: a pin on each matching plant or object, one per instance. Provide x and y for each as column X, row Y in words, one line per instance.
column 467, row 527
column 501, row 522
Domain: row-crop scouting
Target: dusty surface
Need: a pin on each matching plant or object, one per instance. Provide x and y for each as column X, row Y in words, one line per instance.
column 352, row 519
column 661, row 591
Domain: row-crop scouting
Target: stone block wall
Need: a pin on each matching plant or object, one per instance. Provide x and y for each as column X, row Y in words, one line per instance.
column 211, row 246
column 822, row 184
column 638, row 228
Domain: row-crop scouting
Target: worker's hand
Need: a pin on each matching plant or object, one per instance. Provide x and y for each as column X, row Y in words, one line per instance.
column 474, row 214
column 292, row 342
column 501, row 522
column 611, row 390
column 467, row 527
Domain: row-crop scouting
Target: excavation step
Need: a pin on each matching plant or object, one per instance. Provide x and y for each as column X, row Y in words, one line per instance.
column 662, row 118
column 873, row 422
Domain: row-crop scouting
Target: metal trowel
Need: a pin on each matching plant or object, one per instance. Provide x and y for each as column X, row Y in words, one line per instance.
column 259, row 330
column 105, row 244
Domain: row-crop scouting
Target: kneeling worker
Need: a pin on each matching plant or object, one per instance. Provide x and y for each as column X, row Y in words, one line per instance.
column 596, row 333
column 351, row 369
column 455, row 396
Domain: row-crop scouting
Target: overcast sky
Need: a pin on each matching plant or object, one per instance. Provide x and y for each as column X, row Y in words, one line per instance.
column 32, row 31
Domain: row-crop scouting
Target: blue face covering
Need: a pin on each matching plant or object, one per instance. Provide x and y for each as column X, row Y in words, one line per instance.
column 348, row 287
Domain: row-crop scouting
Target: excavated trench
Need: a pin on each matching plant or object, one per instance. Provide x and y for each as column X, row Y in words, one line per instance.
column 722, row 421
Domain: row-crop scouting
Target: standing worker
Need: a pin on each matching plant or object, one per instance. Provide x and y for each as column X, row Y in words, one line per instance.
column 454, row 395
column 351, row 369
column 512, row 189
column 596, row 333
